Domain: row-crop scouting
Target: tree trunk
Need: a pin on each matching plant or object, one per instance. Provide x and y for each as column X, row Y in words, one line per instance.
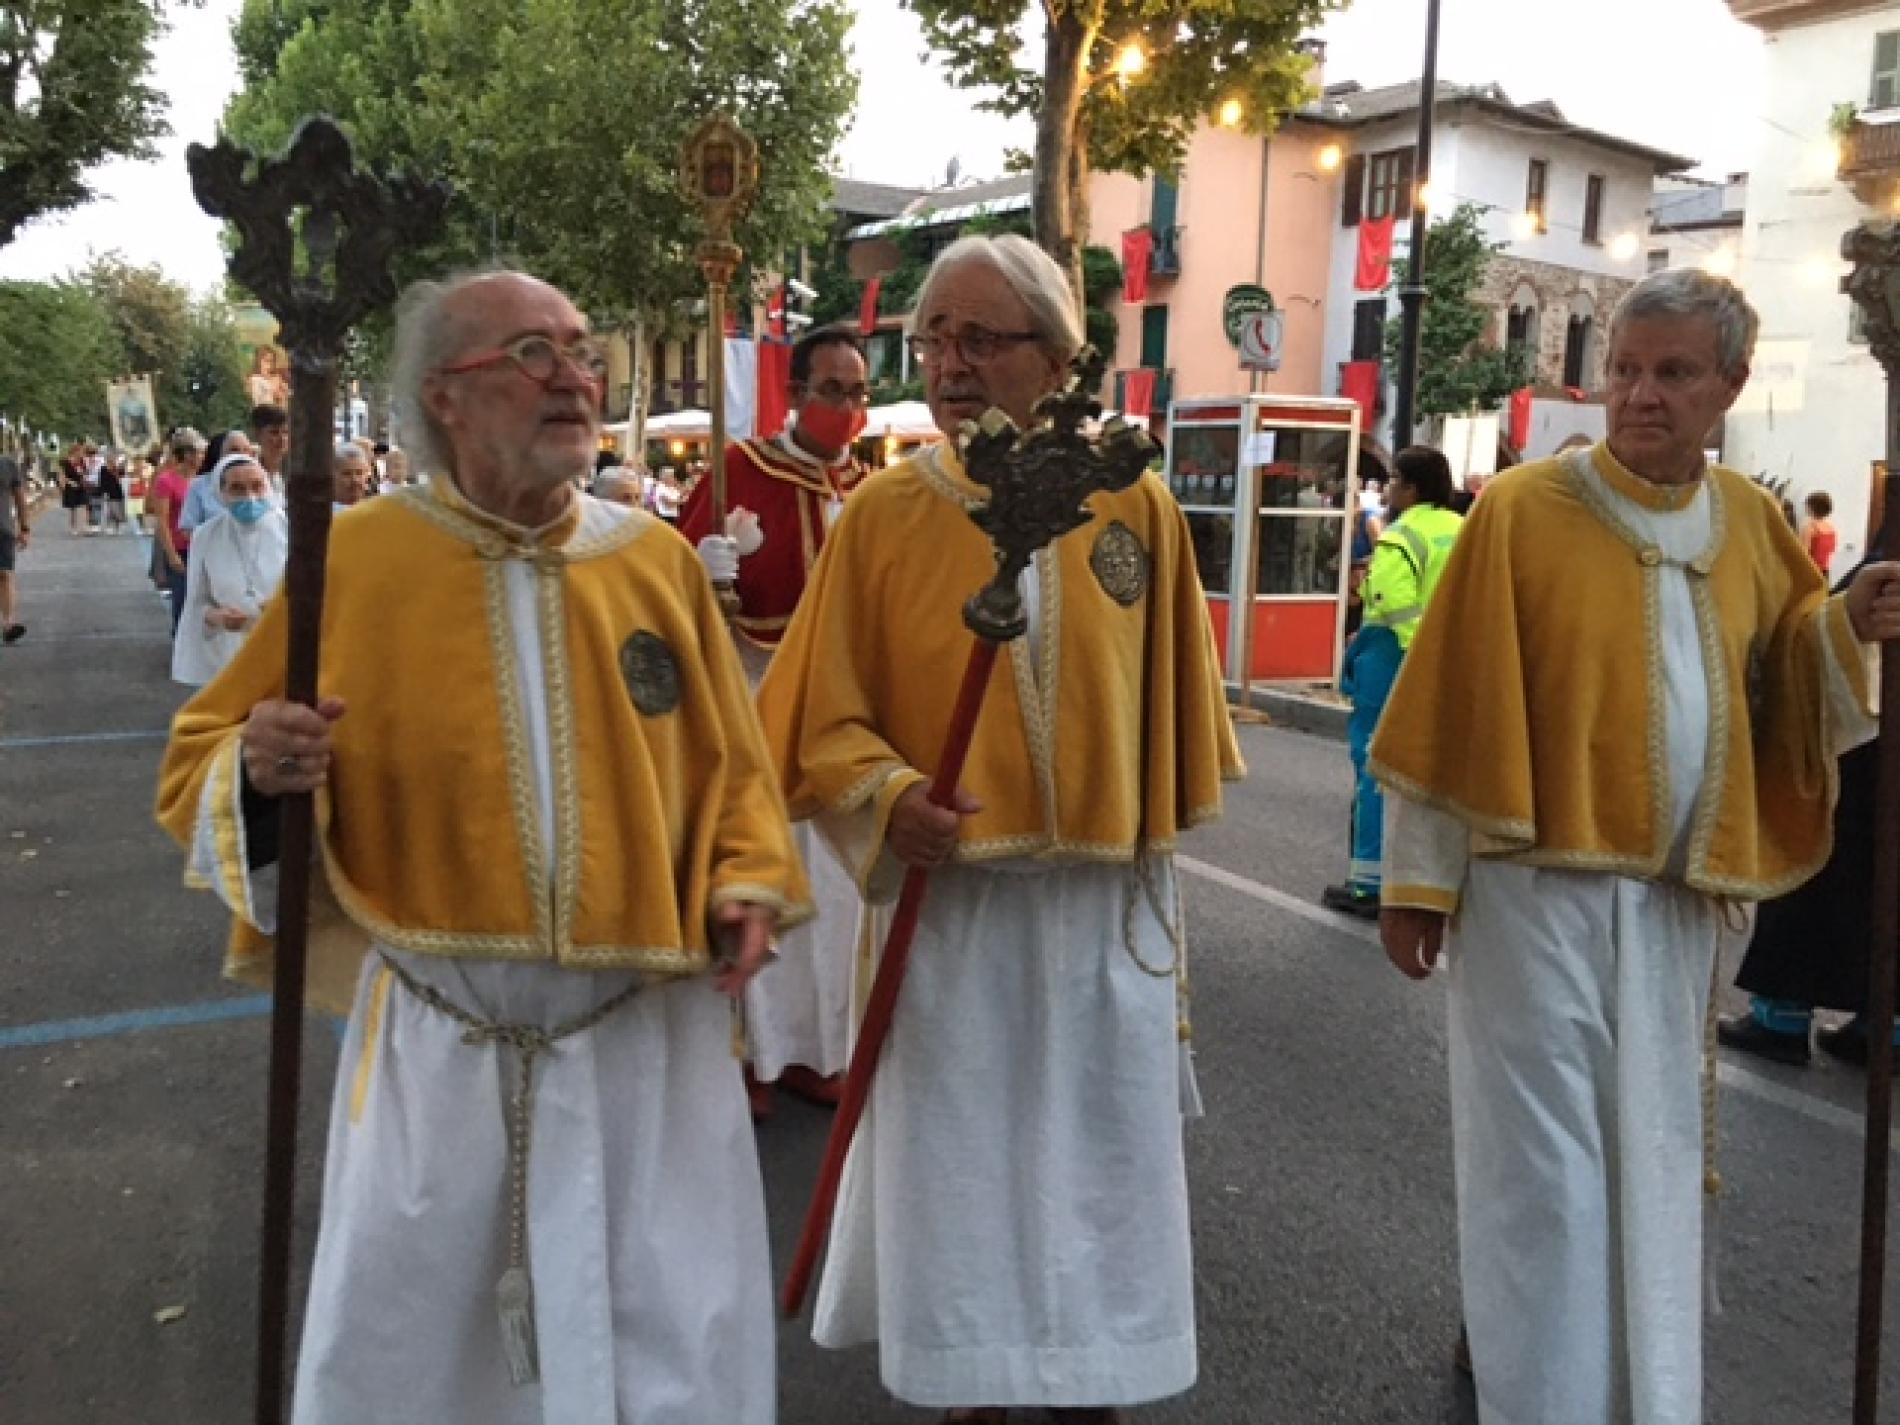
column 1079, row 219
column 1067, row 38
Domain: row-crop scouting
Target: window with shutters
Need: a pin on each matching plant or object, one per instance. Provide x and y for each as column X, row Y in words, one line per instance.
column 1389, row 184
column 1154, row 337
column 689, row 371
column 1593, row 208
column 1884, row 93
column 1577, row 351
column 1536, row 193
column 1368, row 329
column 1352, row 187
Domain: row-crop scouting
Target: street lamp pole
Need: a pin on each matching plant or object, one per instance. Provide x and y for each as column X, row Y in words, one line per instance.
column 1412, row 294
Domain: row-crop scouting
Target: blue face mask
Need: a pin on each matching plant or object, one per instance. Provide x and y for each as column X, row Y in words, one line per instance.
column 249, row 511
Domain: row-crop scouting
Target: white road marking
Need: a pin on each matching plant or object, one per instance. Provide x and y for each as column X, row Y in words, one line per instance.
column 1730, row 1075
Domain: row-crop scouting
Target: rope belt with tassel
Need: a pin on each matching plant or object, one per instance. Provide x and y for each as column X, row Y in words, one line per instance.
column 514, row 1293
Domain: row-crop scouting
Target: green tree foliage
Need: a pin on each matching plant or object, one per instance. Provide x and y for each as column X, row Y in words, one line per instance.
column 65, row 340
column 148, row 312
column 1458, row 371
column 73, row 94
column 560, row 121
column 210, row 393
column 1200, row 53
column 59, row 352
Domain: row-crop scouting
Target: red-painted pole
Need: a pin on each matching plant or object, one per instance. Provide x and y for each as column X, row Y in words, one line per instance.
column 882, row 1004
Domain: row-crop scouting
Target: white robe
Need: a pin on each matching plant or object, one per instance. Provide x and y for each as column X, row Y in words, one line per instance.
column 1578, row 1005
column 646, row 1215
column 798, row 1008
column 232, row 566
column 1012, row 1227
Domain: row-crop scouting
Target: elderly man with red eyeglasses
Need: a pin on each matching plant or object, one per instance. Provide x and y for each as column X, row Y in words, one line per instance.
column 556, row 851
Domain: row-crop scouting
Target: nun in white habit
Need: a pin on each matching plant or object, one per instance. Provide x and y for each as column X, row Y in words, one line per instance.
column 237, row 562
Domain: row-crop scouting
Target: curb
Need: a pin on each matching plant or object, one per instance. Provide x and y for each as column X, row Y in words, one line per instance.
column 1320, row 716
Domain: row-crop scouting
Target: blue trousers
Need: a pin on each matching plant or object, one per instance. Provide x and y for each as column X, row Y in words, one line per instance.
column 1372, row 666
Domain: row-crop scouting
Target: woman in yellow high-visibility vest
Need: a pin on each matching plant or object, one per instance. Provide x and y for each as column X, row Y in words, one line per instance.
column 1406, row 562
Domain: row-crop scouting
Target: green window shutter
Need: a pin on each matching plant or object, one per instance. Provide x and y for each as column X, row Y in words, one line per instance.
column 1167, row 204
column 1154, row 337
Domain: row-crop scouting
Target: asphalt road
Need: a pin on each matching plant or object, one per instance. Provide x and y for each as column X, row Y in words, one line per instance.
column 131, row 1113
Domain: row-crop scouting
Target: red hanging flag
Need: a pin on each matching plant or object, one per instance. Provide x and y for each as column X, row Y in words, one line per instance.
column 1138, row 246
column 775, row 376
column 775, row 314
column 1359, row 381
column 1519, row 433
column 867, row 312
column 1138, row 392
column 1374, row 269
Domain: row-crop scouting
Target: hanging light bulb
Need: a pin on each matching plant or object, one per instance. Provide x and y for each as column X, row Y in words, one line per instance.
column 1231, row 113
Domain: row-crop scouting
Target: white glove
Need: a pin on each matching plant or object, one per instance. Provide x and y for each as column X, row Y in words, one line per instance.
column 742, row 528
column 720, row 555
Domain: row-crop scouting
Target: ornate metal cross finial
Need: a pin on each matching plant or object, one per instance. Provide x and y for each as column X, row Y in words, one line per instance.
column 1874, row 285
column 1040, row 483
column 344, row 277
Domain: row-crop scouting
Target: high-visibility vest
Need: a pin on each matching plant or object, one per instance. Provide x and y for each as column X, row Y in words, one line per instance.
column 1406, row 565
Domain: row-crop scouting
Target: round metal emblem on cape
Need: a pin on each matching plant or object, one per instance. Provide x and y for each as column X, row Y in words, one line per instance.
column 651, row 672
column 1120, row 563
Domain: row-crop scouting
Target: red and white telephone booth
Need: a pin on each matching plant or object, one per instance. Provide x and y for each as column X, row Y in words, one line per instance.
column 1269, row 485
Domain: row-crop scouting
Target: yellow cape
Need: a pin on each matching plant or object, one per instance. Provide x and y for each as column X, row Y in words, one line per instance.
column 664, row 801
column 1531, row 705
column 1105, row 744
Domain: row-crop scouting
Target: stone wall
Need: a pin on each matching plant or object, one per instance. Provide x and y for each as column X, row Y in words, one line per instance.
column 1560, row 292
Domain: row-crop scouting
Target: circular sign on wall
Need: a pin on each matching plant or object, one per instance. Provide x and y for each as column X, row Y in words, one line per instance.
column 1261, row 338
column 1242, row 302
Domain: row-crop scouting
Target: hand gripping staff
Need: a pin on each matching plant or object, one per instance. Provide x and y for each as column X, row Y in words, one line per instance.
column 1038, row 486
column 318, row 282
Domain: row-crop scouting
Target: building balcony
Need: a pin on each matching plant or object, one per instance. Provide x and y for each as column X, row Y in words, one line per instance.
column 1773, row 15
column 1870, row 160
column 1165, row 259
column 1162, row 398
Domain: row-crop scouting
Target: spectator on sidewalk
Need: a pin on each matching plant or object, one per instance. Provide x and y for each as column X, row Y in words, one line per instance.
column 169, row 492
column 16, row 523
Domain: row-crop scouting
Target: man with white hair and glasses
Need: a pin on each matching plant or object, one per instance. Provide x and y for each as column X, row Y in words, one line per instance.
column 1619, row 717
column 549, row 823
column 1012, row 1227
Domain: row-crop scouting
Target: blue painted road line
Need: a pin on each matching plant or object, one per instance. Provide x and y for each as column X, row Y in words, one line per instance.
column 106, row 1026
column 8, row 744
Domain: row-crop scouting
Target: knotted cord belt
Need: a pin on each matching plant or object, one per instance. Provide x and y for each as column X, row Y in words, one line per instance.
column 514, row 1293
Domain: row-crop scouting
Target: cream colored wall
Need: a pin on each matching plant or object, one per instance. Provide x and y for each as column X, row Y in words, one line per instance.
column 1221, row 246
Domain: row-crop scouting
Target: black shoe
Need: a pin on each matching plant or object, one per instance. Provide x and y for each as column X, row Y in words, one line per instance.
column 15, row 632
column 1745, row 1032
column 1351, row 901
column 1461, row 1354
column 1846, row 1041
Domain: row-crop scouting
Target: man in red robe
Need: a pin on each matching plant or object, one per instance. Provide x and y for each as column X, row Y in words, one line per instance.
column 781, row 496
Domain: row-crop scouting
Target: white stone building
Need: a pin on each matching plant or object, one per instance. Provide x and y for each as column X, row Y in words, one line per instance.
column 1813, row 414
column 1570, row 204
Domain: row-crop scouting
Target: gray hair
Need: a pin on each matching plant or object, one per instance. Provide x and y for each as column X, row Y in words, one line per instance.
column 613, row 480
column 1691, row 292
column 350, row 450
column 1031, row 273
column 428, row 335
